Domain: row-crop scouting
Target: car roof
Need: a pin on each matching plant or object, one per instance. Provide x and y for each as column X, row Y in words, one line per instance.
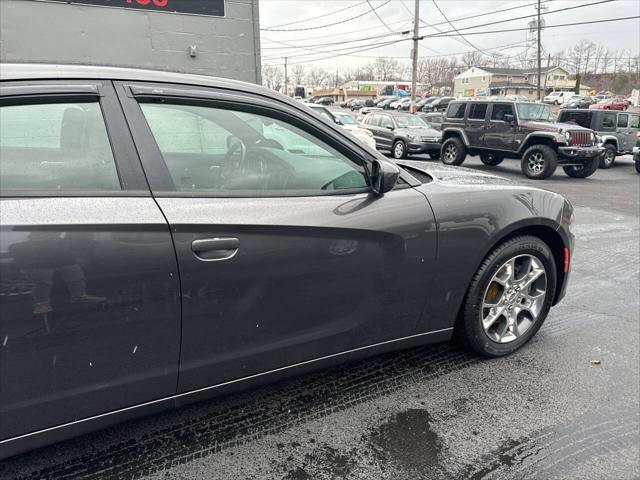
column 49, row 71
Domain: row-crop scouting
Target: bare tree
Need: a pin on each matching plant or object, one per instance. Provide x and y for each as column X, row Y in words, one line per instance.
column 472, row 59
column 272, row 76
column 317, row 77
column 385, row 68
column 298, row 74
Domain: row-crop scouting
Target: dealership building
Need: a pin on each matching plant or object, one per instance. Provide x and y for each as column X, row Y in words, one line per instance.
column 211, row 37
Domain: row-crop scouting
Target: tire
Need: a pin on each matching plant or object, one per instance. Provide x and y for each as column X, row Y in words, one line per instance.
column 585, row 171
column 637, row 162
column 608, row 156
column 531, row 255
column 539, row 162
column 453, row 151
column 399, row 149
column 491, row 159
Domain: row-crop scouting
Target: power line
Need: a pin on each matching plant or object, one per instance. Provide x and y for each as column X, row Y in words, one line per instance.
column 619, row 19
column 452, row 26
column 326, row 25
column 379, row 17
column 355, row 51
column 316, row 17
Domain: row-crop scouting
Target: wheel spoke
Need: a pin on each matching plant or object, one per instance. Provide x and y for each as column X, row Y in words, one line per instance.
column 494, row 314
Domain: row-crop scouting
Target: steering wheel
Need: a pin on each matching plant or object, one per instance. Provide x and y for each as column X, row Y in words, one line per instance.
column 236, row 149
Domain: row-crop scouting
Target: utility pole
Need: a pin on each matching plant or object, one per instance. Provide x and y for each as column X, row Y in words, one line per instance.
column 286, row 77
column 414, row 67
column 539, row 48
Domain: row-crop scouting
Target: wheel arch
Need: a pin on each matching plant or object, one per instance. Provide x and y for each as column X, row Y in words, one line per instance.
column 455, row 133
column 537, row 140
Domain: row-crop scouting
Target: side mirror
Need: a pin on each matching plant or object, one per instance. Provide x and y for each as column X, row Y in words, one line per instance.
column 384, row 176
column 337, row 120
column 508, row 118
column 389, row 127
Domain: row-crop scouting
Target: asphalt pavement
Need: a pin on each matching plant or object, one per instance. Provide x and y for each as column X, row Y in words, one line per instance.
column 566, row 406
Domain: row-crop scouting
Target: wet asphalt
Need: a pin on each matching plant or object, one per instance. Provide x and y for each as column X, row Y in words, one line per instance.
column 437, row 412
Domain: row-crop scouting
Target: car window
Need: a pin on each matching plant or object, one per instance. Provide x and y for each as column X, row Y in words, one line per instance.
column 372, row 119
column 634, row 121
column 582, row 118
column 405, row 121
column 385, row 121
column 608, row 121
column 219, row 150
column 456, row 110
column 323, row 112
column 56, row 146
column 477, row 111
column 500, row 110
column 623, row 120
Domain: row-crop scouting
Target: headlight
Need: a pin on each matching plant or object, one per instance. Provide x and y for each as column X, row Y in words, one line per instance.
column 567, row 135
column 593, row 137
column 411, row 137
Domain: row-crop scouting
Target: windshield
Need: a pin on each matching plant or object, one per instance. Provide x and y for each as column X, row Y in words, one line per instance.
column 410, row 121
column 347, row 119
column 533, row 111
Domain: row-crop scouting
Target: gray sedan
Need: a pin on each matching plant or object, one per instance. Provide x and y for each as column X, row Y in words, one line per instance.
column 166, row 238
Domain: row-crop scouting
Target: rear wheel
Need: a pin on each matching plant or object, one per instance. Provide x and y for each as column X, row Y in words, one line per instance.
column 539, row 162
column 583, row 171
column 637, row 162
column 509, row 297
column 491, row 159
column 399, row 149
column 453, row 151
column 608, row 156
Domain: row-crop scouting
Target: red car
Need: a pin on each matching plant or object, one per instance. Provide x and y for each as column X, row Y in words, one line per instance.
column 611, row 104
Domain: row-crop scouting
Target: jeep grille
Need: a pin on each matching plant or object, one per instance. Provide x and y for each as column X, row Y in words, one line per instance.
column 581, row 139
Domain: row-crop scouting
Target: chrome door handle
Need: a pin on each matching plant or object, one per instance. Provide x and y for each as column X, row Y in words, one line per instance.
column 212, row 249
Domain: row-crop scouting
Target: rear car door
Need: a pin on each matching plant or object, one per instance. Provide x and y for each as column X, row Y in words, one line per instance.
column 475, row 125
column 623, row 132
column 387, row 133
column 284, row 254
column 634, row 128
column 500, row 134
column 89, row 290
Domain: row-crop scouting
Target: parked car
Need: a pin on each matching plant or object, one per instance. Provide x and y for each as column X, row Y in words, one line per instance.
column 422, row 102
column 364, row 111
column 401, row 104
column 324, row 101
column 617, row 131
column 379, row 100
column 403, row 134
column 169, row 237
column 496, row 130
column 557, row 97
column 347, row 122
column 438, row 105
column 386, row 104
column 610, row 104
column 346, row 103
column 433, row 119
column 578, row 101
column 357, row 104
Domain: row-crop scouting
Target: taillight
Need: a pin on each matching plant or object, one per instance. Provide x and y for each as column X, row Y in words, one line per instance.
column 566, row 260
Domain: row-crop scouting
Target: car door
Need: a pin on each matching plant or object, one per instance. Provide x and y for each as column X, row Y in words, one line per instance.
column 475, row 125
column 500, row 134
column 387, row 131
column 372, row 123
column 623, row 132
column 284, row 254
column 89, row 290
column 634, row 128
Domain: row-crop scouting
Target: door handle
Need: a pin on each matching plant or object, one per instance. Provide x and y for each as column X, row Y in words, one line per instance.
column 212, row 249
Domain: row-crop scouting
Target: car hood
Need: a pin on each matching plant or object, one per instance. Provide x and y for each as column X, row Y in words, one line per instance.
column 422, row 131
column 551, row 126
column 457, row 175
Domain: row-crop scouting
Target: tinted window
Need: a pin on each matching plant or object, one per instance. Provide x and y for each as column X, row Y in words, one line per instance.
column 217, row 150
column 456, row 110
column 373, row 120
column 477, row 111
column 634, row 121
column 623, row 120
column 55, row 146
column 608, row 121
column 500, row 110
column 582, row 118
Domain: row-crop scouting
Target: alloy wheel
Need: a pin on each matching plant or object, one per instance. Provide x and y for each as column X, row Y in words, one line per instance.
column 450, row 152
column 398, row 150
column 536, row 162
column 514, row 298
column 609, row 156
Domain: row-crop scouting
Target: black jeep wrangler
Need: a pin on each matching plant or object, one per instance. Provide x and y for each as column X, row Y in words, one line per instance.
column 617, row 130
column 499, row 129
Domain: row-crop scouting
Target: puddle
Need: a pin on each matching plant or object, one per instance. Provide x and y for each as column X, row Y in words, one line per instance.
column 407, row 440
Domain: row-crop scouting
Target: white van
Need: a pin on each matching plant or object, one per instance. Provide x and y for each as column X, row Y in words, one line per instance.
column 558, row 97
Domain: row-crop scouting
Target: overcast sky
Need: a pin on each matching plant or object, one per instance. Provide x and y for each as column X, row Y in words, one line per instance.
column 279, row 14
